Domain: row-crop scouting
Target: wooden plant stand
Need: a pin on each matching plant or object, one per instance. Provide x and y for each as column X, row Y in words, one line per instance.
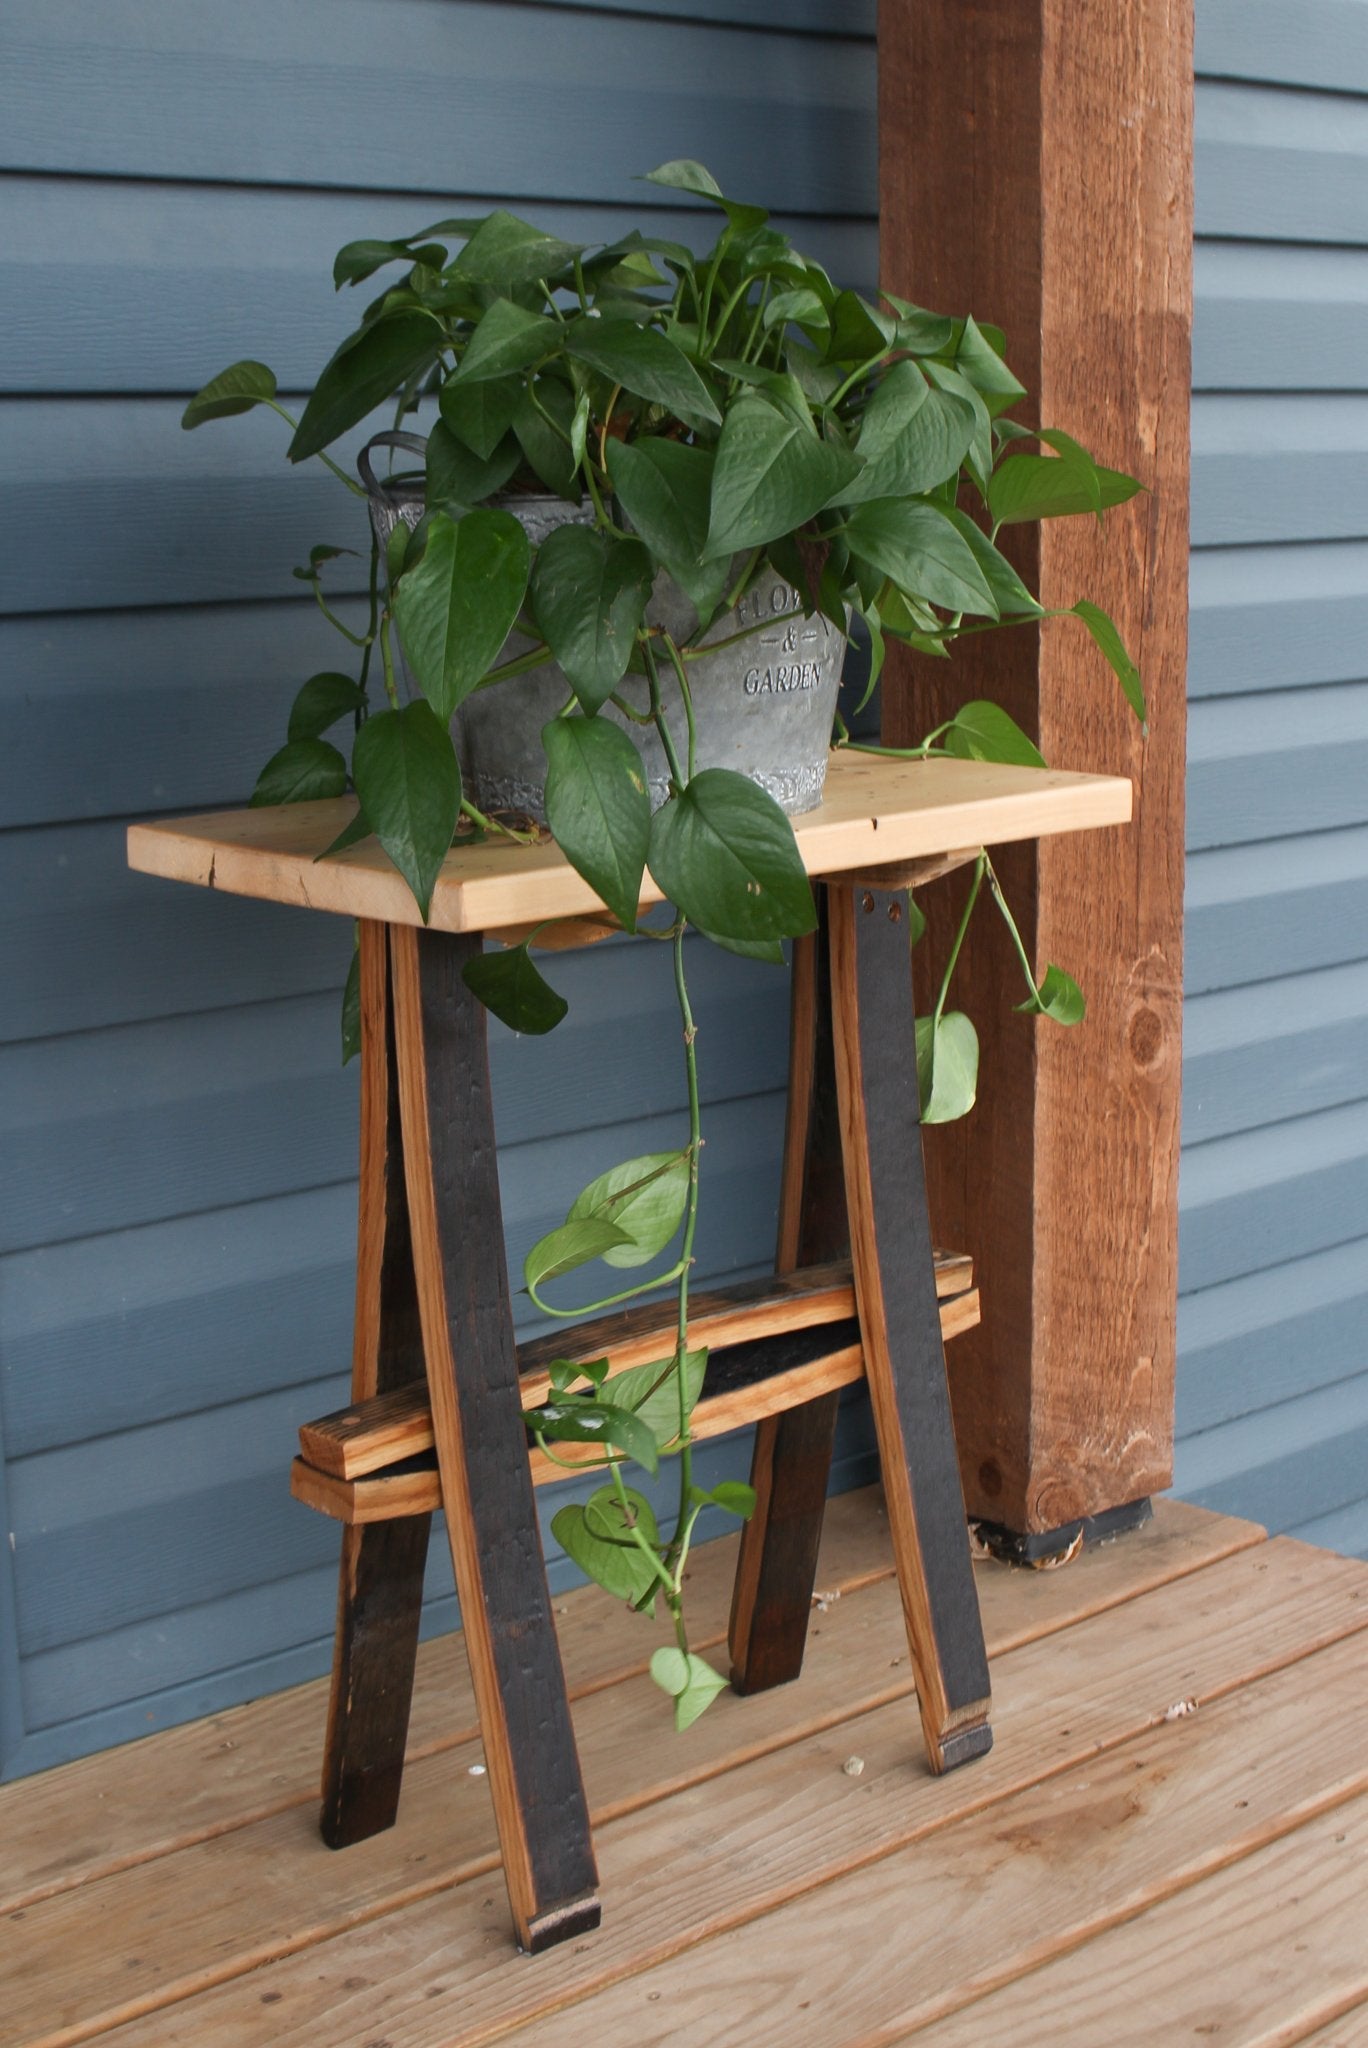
column 438, row 1384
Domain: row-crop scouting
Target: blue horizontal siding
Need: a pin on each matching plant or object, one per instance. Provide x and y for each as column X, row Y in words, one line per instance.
column 1272, row 1393
column 1250, row 1344
column 1305, row 1458
column 1278, row 907
column 84, row 943
column 1258, row 1198
column 1319, row 739
column 116, row 714
column 230, row 1106
column 176, row 281
column 1301, row 1045
column 338, row 95
column 1279, row 166
column 1279, row 468
column 1288, row 42
column 1274, row 618
column 1270, row 317
column 177, row 1234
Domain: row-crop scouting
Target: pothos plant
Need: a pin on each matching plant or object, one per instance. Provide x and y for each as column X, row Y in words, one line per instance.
column 718, row 413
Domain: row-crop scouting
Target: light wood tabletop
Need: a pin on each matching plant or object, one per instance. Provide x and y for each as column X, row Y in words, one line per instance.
column 876, row 812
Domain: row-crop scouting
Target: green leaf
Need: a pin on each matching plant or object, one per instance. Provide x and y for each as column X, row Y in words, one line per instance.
column 1103, row 630
column 480, row 414
column 913, row 438
column 357, row 261
column 652, row 1392
column 1058, row 996
column 579, row 429
column 690, row 1681
column 615, row 1563
column 644, row 362
column 683, row 174
column 598, row 808
column 923, row 333
column 644, row 1198
column 508, row 338
column 916, row 922
column 724, row 852
column 803, row 308
column 984, row 732
column 771, row 475
column 236, row 389
column 859, row 331
column 950, row 383
column 321, row 702
column 769, row 950
column 664, row 489
column 458, row 478
column 570, row 1245
column 547, row 451
column 923, row 553
column 584, row 1419
column 980, row 362
column 300, row 773
column 686, row 174
column 511, row 985
column 457, row 607
column 736, row 1497
column 1026, row 487
column 507, row 251
column 588, row 595
column 409, row 783
column 947, row 1067
column 1010, row 594
column 351, row 1010
column 366, row 369
column 351, row 835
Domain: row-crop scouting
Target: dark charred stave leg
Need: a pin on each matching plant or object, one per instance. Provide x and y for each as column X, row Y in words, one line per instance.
column 899, row 1318
column 791, row 1464
column 486, row 1485
column 380, row 1589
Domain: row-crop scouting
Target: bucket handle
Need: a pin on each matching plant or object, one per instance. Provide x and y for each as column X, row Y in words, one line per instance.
column 378, row 487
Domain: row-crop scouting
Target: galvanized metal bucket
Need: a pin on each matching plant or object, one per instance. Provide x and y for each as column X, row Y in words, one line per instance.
column 764, row 706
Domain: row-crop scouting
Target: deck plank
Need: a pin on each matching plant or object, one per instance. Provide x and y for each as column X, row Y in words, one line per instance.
column 1349, row 2030
column 107, row 1812
column 149, row 1799
column 1007, row 1889
column 1213, row 1965
column 792, row 1819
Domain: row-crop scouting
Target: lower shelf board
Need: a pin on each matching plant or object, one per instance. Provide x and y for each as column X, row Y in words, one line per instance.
column 746, row 1382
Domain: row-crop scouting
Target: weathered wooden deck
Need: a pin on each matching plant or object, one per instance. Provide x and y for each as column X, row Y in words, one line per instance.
column 1169, row 1840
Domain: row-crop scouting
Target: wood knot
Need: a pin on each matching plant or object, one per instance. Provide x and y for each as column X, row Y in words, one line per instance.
column 990, row 1477
column 1146, row 1036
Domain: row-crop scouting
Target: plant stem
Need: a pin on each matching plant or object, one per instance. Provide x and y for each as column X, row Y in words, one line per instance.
column 979, row 867
column 477, row 817
column 1001, row 901
column 358, row 489
column 678, row 1547
column 387, row 656
column 677, row 775
column 357, row 639
column 687, row 694
column 589, row 1308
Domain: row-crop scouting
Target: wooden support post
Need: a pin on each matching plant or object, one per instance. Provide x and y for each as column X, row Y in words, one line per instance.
column 895, row 1287
column 380, row 1589
column 463, row 1298
column 1036, row 170
column 776, row 1569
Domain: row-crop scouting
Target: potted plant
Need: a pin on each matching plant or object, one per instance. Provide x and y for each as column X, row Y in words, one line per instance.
column 638, row 463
